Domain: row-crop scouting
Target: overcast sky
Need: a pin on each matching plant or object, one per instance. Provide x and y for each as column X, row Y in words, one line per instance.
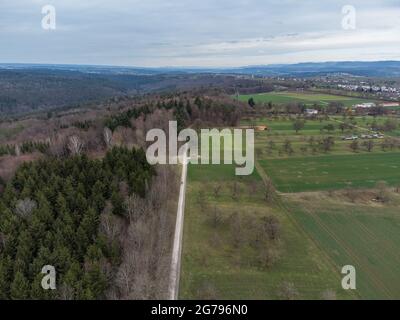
column 198, row 32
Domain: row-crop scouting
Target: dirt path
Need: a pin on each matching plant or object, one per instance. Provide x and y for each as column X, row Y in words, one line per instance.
column 173, row 288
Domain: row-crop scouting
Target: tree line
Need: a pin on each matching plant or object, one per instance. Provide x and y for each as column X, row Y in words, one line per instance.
column 187, row 110
column 25, row 147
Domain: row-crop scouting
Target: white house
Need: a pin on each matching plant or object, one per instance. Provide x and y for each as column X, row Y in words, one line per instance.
column 365, row 105
column 311, row 112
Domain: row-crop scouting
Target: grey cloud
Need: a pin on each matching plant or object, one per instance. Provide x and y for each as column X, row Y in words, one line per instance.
column 179, row 32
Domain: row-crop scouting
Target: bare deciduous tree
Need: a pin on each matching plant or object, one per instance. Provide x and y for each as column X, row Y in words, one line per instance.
column 352, row 194
column 146, row 258
column 207, row 291
column 135, row 207
column 354, row 146
column 235, row 191
column 217, row 190
column 383, row 191
column 272, row 227
column 216, row 217
column 327, row 144
column 288, row 291
column 66, row 292
column 125, row 277
column 237, row 230
column 202, row 200
column 17, row 150
column 107, row 135
column 268, row 257
column 328, row 295
column 368, row 145
column 75, row 145
column 253, row 186
column 110, row 226
column 58, row 145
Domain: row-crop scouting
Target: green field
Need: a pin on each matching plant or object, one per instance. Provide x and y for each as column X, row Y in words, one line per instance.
column 333, row 171
column 302, row 97
column 217, row 173
column 364, row 236
column 212, row 267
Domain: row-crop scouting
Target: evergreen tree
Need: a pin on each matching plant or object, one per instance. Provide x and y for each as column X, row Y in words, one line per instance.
column 20, row 287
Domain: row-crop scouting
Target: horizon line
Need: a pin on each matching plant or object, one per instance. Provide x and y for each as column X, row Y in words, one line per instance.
column 192, row 67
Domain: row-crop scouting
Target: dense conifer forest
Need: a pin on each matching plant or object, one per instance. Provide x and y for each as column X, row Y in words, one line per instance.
column 50, row 214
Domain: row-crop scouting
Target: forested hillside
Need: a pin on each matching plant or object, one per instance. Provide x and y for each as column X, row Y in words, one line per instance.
column 38, row 90
column 77, row 193
column 53, row 213
column 46, row 88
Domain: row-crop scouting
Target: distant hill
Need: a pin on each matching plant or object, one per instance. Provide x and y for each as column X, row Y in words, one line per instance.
column 369, row 69
column 37, row 88
column 357, row 68
column 30, row 87
column 27, row 90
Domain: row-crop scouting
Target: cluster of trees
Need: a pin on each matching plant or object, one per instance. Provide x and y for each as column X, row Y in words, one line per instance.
column 7, row 149
column 320, row 144
column 31, row 146
column 369, row 145
column 325, row 144
column 25, row 147
column 124, row 119
column 147, row 240
column 53, row 213
column 259, row 233
column 388, row 126
column 207, row 111
column 298, row 124
column 7, row 103
column 187, row 110
column 83, row 125
column 295, row 108
column 48, row 89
